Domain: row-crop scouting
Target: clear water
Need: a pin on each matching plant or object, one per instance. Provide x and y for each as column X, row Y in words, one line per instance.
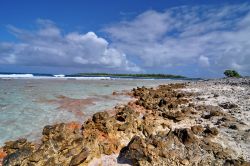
column 27, row 105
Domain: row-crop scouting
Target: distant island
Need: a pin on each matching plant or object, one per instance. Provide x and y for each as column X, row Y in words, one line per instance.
column 117, row 75
column 127, row 75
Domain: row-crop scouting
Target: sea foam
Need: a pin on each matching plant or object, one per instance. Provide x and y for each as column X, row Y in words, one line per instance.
column 16, row 75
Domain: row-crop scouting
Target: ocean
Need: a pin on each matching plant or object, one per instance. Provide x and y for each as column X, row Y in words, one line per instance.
column 28, row 104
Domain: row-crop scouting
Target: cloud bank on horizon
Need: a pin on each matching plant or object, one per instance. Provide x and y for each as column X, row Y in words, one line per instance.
column 208, row 38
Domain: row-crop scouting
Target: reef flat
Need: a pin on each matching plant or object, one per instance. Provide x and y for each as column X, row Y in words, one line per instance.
column 192, row 123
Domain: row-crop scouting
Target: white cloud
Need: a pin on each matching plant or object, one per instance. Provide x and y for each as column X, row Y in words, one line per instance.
column 46, row 46
column 215, row 37
column 204, row 61
column 211, row 38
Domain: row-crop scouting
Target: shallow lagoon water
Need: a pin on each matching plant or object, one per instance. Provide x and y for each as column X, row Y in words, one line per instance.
column 27, row 105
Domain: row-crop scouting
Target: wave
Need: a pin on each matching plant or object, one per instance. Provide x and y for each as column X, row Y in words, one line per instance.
column 16, row 75
column 65, row 77
column 59, row 75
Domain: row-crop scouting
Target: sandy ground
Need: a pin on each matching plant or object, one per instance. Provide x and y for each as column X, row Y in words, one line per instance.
column 233, row 91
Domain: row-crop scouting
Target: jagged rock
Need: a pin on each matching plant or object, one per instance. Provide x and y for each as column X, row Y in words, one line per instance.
column 81, row 157
column 173, row 148
column 12, row 146
column 17, row 151
column 136, row 150
column 174, row 115
column 50, row 162
column 211, row 131
column 198, row 129
column 239, row 162
column 56, row 142
column 124, row 126
column 209, row 111
column 228, row 105
column 36, row 156
column 165, row 96
column 100, row 117
column 162, row 102
column 154, row 136
column 17, row 157
column 186, row 136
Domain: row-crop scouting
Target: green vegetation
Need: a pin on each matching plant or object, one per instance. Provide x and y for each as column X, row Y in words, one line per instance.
column 127, row 75
column 232, row 73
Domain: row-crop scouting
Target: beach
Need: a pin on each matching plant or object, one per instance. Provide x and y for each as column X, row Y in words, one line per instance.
column 202, row 122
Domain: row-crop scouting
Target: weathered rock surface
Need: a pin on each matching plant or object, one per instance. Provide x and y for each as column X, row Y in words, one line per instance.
column 170, row 128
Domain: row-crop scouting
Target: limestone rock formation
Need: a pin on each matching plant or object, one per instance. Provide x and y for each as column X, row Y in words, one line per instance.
column 168, row 130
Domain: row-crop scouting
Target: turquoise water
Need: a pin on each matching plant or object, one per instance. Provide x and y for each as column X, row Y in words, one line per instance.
column 27, row 105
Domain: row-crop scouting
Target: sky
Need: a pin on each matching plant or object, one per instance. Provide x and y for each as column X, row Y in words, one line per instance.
column 194, row 38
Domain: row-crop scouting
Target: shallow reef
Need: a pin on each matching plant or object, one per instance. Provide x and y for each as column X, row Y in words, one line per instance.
column 167, row 125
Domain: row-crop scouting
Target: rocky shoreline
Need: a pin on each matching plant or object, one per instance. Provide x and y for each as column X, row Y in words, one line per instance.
column 194, row 123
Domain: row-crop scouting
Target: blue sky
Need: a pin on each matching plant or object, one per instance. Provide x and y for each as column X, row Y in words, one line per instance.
column 194, row 38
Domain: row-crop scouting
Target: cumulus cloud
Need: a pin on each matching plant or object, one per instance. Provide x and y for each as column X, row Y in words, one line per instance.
column 204, row 61
column 213, row 37
column 47, row 46
column 203, row 38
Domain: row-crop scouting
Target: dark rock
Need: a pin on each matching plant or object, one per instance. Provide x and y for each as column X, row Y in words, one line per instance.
column 121, row 118
column 238, row 162
column 36, row 156
column 108, row 148
column 136, row 150
column 124, row 126
column 100, row 117
column 81, row 157
column 47, row 129
column 200, row 98
column 179, row 95
column 50, row 162
column 176, row 116
column 233, row 126
column 216, row 95
column 211, row 131
column 17, row 144
column 12, row 146
column 17, row 157
column 186, row 136
column 228, row 105
column 162, row 102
